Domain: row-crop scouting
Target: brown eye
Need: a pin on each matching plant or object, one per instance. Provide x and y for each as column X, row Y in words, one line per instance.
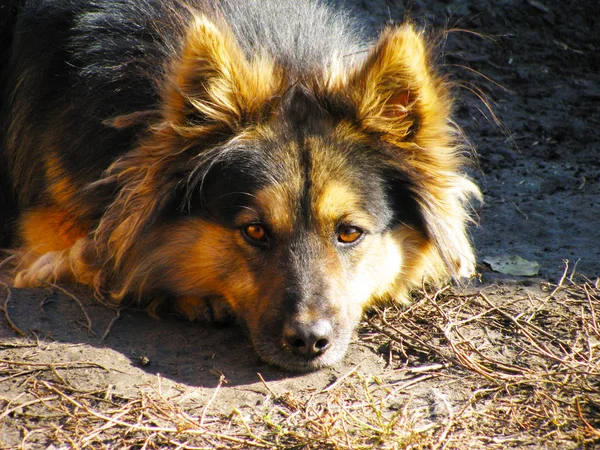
column 349, row 235
column 256, row 232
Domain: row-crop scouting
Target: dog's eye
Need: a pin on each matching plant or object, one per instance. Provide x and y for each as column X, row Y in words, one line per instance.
column 349, row 235
column 256, row 232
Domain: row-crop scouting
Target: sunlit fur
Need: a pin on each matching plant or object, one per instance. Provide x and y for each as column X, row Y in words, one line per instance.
column 243, row 134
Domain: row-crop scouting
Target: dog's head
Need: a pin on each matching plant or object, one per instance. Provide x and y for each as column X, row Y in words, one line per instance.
column 299, row 199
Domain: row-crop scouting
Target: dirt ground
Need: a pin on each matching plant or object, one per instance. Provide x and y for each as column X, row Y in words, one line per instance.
column 537, row 65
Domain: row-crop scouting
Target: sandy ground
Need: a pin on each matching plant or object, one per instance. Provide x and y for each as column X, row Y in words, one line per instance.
column 537, row 65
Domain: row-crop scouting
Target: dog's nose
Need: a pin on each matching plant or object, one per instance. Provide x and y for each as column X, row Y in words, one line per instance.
column 308, row 339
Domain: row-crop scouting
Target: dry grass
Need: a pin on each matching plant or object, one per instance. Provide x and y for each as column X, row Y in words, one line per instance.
column 533, row 363
column 464, row 372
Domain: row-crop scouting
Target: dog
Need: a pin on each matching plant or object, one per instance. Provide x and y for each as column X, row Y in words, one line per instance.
column 260, row 160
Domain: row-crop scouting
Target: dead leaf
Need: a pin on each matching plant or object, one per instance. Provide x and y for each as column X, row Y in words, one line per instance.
column 512, row 265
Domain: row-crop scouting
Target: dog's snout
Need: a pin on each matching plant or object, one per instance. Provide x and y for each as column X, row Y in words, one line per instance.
column 308, row 339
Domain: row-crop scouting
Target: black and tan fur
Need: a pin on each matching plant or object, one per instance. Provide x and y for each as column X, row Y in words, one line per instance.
column 258, row 159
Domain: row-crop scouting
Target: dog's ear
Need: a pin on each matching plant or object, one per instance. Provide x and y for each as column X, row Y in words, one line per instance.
column 397, row 92
column 213, row 81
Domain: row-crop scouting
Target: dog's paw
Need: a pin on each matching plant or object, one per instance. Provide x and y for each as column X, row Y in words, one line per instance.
column 67, row 265
column 465, row 267
column 210, row 309
column 45, row 270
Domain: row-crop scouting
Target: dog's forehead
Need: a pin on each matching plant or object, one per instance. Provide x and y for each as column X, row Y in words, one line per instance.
column 315, row 181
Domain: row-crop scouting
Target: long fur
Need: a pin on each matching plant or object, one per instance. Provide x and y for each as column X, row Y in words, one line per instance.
column 141, row 138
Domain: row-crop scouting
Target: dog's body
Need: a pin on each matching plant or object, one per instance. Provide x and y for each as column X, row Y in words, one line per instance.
column 246, row 157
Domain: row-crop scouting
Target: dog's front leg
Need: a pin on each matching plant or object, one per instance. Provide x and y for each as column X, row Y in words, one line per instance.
column 211, row 309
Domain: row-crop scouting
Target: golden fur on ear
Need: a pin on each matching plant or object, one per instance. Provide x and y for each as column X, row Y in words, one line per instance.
column 214, row 80
column 398, row 92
